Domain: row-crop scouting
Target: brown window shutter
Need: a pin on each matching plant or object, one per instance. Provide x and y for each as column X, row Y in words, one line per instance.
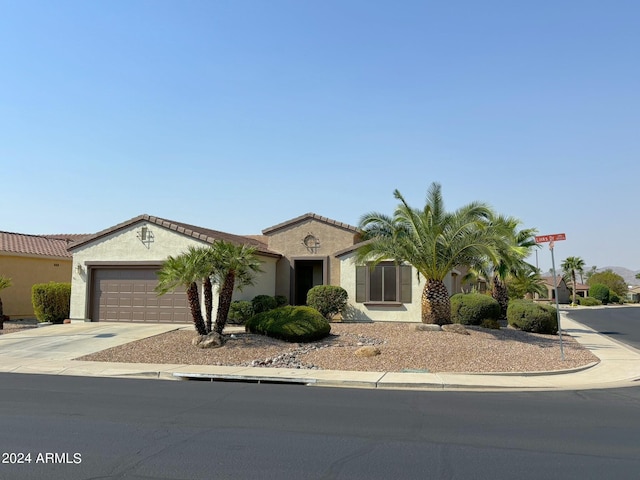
column 405, row 283
column 361, row 284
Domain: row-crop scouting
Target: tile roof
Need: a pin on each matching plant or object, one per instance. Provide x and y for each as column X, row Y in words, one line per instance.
column 36, row 245
column 205, row 234
column 310, row 216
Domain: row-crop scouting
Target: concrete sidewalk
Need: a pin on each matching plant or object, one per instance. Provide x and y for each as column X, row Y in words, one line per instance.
column 51, row 350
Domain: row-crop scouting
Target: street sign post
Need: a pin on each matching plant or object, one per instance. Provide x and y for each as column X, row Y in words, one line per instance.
column 551, row 239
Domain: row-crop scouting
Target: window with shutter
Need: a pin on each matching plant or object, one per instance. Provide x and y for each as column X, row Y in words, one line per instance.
column 386, row 282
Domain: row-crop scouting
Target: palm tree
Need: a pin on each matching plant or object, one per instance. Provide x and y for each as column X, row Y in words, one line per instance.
column 185, row 270
column 4, row 283
column 570, row 266
column 526, row 283
column 232, row 266
column 434, row 241
column 511, row 258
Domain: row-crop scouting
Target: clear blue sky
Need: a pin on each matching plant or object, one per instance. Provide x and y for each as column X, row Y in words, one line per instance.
column 238, row 115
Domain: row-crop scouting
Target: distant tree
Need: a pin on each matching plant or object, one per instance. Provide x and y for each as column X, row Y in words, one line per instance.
column 611, row 279
column 590, row 272
column 637, row 276
column 570, row 266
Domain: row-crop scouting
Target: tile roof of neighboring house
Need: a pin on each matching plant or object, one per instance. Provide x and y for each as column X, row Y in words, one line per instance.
column 36, row 245
column 549, row 280
column 205, row 234
column 310, row 216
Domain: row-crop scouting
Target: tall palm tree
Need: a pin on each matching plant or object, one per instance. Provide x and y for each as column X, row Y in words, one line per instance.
column 434, row 241
column 185, row 270
column 233, row 266
column 5, row 282
column 570, row 266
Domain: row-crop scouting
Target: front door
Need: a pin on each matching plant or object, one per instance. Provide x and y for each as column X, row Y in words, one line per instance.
column 307, row 274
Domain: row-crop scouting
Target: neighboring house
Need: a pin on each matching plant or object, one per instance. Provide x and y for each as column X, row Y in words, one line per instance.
column 31, row 259
column 564, row 292
column 581, row 289
column 114, row 271
column 633, row 295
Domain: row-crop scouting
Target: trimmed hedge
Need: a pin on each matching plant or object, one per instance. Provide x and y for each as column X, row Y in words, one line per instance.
column 327, row 299
column 588, row 301
column 600, row 292
column 263, row 303
column 239, row 312
column 51, row 301
column 289, row 323
column 532, row 317
column 473, row 308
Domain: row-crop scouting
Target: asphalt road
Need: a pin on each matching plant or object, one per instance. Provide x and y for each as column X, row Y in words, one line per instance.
column 620, row 323
column 152, row 429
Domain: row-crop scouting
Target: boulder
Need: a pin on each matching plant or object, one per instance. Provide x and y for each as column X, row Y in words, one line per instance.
column 455, row 328
column 428, row 327
column 211, row 340
column 367, row 351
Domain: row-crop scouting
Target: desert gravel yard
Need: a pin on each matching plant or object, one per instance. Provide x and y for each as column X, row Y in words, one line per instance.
column 401, row 347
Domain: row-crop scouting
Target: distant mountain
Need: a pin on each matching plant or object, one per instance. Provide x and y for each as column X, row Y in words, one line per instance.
column 628, row 275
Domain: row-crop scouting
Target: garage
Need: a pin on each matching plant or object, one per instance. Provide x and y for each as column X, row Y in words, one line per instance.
column 127, row 295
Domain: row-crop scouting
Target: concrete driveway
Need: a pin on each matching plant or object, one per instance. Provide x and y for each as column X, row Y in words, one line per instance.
column 66, row 342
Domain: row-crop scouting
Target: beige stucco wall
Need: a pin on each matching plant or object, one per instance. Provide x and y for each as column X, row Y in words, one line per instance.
column 125, row 246
column 288, row 241
column 408, row 312
column 24, row 272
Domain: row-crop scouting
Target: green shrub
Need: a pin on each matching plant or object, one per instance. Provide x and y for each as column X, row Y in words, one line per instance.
column 532, row 317
column 281, row 300
column 51, row 301
column 613, row 297
column 490, row 323
column 327, row 299
column 240, row 311
column 588, row 301
column 599, row 292
column 473, row 308
column 289, row 323
column 263, row 303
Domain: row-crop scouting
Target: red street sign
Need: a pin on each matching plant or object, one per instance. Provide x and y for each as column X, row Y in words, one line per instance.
column 550, row 238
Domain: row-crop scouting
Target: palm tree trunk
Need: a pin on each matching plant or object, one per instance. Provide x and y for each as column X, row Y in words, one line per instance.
column 224, row 301
column 196, row 313
column 436, row 306
column 573, row 279
column 208, row 301
column 500, row 295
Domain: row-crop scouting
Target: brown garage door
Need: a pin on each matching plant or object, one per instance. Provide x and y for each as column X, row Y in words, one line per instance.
column 127, row 295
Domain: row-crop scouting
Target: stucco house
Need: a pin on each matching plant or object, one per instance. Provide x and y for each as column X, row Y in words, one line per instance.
column 114, row 271
column 31, row 259
column 564, row 292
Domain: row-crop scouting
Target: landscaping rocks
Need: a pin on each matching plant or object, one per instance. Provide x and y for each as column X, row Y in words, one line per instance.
column 368, row 351
column 212, row 340
column 455, row 328
column 428, row 327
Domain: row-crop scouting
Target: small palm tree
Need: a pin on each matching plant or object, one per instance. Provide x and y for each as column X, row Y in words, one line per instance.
column 185, row 270
column 518, row 245
column 434, row 241
column 4, row 283
column 232, row 266
column 570, row 266
column 526, row 283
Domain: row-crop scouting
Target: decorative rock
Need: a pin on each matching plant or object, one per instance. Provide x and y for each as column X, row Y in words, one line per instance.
column 367, row 351
column 212, row 340
column 455, row 328
column 428, row 327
